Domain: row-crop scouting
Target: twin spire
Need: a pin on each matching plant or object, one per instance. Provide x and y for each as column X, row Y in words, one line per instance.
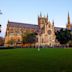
column 41, row 15
column 53, row 21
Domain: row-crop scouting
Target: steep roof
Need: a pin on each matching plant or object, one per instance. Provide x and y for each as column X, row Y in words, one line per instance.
column 22, row 25
column 27, row 25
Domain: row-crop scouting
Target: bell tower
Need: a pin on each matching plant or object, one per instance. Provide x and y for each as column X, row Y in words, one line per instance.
column 42, row 20
column 46, row 37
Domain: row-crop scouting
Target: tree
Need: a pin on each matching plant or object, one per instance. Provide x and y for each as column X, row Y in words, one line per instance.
column 70, row 42
column 11, row 42
column 1, row 41
column 63, row 36
column 29, row 38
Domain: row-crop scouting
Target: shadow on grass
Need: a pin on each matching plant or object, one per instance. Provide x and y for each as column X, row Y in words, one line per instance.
column 2, row 47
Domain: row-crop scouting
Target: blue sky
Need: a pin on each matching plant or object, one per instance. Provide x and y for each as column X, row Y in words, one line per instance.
column 27, row 11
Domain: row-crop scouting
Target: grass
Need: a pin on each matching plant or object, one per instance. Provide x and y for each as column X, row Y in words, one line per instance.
column 32, row 60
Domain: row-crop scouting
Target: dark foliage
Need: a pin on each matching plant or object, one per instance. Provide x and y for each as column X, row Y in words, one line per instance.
column 1, row 41
column 63, row 36
column 30, row 38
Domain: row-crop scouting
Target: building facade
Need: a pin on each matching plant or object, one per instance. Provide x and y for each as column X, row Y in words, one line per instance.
column 45, row 32
column 15, row 31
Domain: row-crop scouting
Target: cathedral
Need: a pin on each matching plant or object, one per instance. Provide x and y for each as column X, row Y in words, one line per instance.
column 45, row 32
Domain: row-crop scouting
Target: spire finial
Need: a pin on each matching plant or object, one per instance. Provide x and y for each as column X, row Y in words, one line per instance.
column 53, row 22
column 47, row 15
column 40, row 14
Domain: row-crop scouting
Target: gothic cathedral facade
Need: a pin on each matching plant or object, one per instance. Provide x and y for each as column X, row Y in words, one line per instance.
column 46, row 34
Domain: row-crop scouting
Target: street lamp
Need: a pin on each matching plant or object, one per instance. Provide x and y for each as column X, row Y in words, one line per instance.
column 0, row 24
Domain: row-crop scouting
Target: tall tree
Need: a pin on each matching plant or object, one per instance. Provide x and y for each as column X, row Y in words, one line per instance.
column 11, row 42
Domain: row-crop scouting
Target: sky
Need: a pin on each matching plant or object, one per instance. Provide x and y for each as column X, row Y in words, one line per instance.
column 27, row 11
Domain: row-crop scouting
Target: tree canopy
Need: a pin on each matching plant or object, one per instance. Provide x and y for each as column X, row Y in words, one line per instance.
column 63, row 36
column 1, row 41
column 29, row 38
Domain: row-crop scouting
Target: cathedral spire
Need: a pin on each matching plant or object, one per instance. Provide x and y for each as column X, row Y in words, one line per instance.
column 47, row 16
column 68, row 18
column 68, row 24
column 53, row 22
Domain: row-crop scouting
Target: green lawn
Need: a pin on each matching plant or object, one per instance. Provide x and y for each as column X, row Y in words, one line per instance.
column 32, row 60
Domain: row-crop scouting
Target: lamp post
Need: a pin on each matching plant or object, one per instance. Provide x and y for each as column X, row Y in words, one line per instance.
column 0, row 24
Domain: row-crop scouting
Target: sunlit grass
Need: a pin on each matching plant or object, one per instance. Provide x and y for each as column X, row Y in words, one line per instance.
column 32, row 60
